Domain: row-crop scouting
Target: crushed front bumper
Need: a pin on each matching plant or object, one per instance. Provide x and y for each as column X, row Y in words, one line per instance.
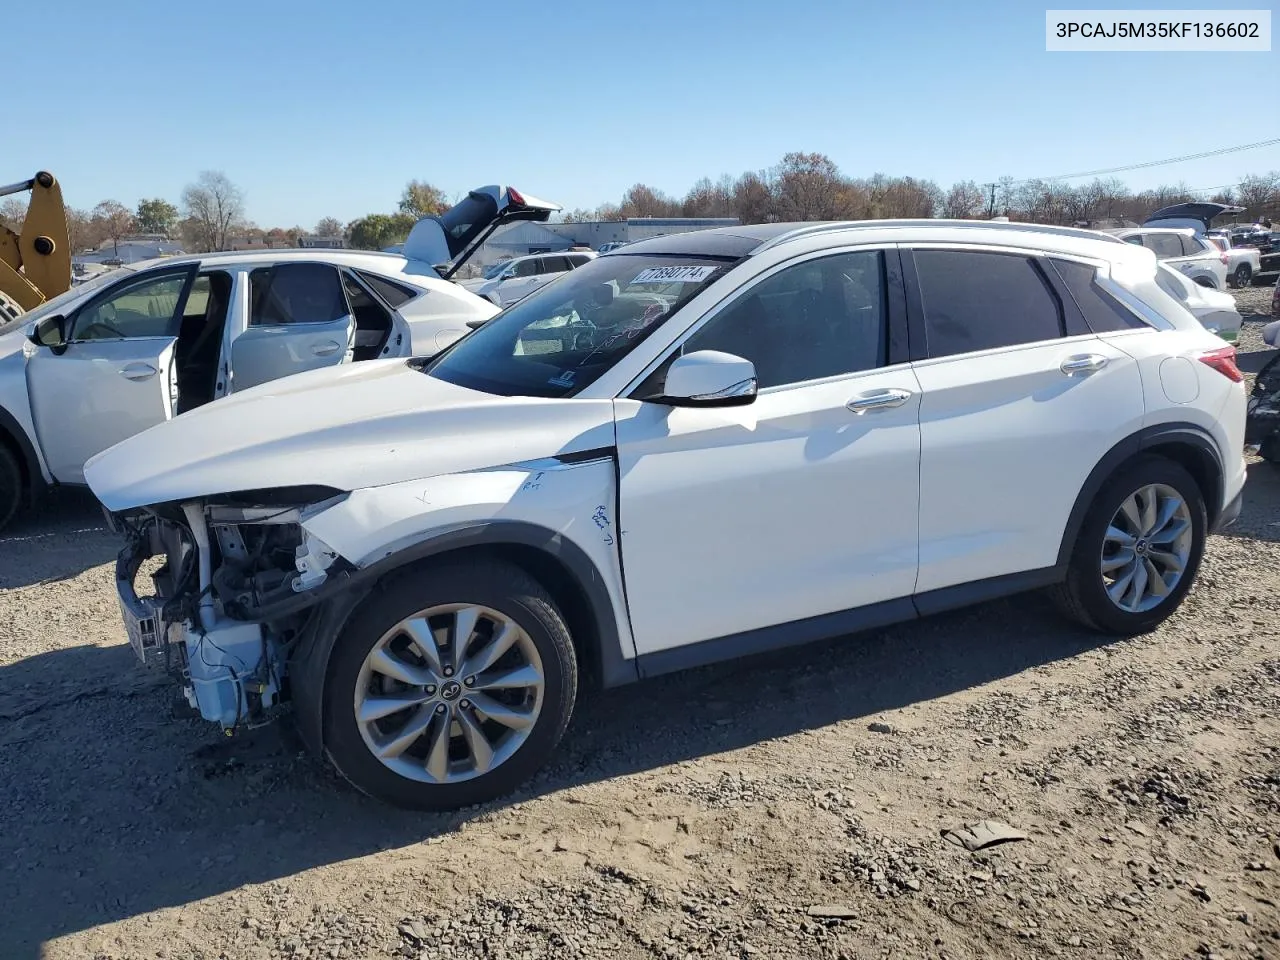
column 143, row 619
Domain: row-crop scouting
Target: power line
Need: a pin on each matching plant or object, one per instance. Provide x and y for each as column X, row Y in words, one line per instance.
column 1155, row 163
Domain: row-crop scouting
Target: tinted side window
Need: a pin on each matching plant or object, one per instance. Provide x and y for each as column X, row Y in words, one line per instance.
column 528, row 268
column 295, row 293
column 978, row 301
column 395, row 294
column 1164, row 245
column 820, row 318
column 554, row 264
column 1101, row 311
column 1191, row 246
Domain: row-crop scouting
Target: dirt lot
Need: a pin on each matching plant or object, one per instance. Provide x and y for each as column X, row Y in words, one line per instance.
column 790, row 806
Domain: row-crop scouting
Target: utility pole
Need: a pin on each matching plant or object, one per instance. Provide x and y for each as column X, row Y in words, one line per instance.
column 991, row 210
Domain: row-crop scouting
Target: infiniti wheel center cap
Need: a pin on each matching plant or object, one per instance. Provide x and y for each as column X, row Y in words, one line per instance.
column 1141, row 548
column 451, row 690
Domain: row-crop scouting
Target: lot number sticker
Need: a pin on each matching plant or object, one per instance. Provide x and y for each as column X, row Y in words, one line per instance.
column 673, row 275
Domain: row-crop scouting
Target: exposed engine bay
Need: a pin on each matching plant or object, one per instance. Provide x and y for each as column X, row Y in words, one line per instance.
column 228, row 603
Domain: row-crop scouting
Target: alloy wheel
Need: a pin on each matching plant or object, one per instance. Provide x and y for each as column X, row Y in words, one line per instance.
column 1146, row 548
column 449, row 693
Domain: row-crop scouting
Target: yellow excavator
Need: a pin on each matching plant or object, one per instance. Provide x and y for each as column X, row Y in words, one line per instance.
column 35, row 265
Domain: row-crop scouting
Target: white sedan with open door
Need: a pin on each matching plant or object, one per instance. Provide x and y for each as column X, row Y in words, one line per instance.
column 142, row 344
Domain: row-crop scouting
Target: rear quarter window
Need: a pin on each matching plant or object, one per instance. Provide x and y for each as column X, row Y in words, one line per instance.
column 1102, row 312
column 395, row 294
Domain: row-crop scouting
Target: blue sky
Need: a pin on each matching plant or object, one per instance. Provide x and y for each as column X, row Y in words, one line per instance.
column 327, row 109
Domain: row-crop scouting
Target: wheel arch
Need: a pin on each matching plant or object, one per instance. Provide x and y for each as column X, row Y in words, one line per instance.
column 560, row 565
column 15, row 438
column 1186, row 444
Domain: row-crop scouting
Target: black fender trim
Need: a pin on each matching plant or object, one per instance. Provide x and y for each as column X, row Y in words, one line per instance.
column 10, row 428
column 309, row 661
column 1178, row 432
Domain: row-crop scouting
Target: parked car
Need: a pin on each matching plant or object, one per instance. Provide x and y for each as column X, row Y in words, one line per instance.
column 1181, row 248
column 699, row 447
column 1243, row 260
column 148, row 341
column 512, row 280
column 611, row 245
column 1215, row 310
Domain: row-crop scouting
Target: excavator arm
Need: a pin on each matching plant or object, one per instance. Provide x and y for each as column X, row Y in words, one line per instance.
column 35, row 265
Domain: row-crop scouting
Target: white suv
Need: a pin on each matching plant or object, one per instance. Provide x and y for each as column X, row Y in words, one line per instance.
column 694, row 448
column 1189, row 253
column 512, row 280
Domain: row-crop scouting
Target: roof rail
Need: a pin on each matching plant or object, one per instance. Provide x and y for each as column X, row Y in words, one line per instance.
column 1001, row 226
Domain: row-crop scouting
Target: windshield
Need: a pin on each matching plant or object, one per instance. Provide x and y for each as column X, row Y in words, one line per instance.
column 565, row 336
column 50, row 307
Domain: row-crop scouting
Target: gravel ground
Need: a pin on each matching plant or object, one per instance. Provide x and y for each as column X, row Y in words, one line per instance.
column 787, row 806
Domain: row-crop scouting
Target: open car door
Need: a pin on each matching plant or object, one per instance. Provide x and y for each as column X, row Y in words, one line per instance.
column 299, row 319
column 106, row 372
column 447, row 241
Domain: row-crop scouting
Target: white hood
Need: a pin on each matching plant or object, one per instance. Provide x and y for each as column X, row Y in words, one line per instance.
column 347, row 427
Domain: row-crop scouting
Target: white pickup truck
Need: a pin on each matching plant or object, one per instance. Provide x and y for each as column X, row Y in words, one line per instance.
column 1243, row 262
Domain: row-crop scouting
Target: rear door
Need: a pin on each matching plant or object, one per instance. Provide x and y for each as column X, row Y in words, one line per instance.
column 1019, row 402
column 115, row 376
column 526, row 280
column 299, row 319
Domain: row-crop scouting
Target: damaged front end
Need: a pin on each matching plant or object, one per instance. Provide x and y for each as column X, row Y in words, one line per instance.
column 231, row 597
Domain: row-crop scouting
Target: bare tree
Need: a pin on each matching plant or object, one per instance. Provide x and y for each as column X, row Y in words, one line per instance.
column 13, row 212
column 1258, row 193
column 216, row 205
column 115, row 222
column 329, row 227
column 807, row 187
column 707, row 199
column 964, row 201
column 82, row 233
column 752, row 199
column 644, row 201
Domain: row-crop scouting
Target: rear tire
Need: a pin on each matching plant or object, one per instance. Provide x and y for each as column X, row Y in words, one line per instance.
column 1243, row 276
column 1172, row 498
column 475, row 730
column 11, row 489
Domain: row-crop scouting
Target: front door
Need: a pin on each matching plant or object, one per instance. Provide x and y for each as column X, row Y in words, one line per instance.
column 299, row 319
column 115, row 377
column 802, row 503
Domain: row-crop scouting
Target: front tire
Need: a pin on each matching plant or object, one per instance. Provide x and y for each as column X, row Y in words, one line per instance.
column 1138, row 550
column 11, row 490
column 450, row 687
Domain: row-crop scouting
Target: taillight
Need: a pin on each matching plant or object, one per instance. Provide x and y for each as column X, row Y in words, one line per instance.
column 1224, row 361
column 517, row 199
column 1224, row 258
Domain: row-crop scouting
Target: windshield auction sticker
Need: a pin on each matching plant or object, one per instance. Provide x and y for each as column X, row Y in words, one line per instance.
column 673, row 274
column 1130, row 31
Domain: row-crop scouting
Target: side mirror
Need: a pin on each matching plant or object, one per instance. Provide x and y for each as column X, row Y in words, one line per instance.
column 49, row 332
column 709, row 378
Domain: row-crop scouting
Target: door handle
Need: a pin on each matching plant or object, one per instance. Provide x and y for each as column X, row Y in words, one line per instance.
column 326, row 349
column 879, row 400
column 138, row 371
column 1083, row 363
